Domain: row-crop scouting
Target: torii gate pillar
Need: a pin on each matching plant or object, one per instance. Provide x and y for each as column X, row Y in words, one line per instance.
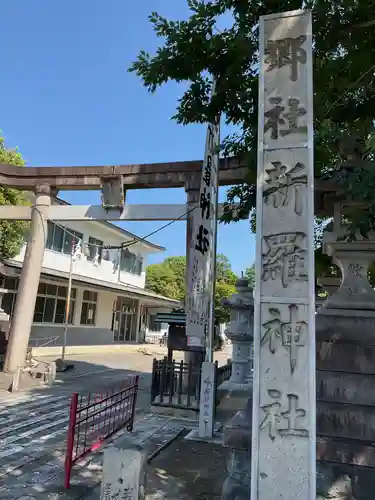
column 23, row 315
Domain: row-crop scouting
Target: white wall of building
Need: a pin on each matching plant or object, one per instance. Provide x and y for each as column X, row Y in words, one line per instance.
column 105, row 309
column 105, row 270
column 100, row 332
column 78, row 334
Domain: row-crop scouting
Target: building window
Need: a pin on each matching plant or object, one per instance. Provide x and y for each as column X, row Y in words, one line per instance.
column 95, row 250
column 138, row 264
column 9, row 299
column 50, row 304
column 88, row 311
column 55, row 237
column 70, row 238
column 61, row 240
column 154, row 326
column 106, row 255
column 130, row 262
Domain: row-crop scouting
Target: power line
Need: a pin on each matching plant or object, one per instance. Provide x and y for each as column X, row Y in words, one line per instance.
column 124, row 244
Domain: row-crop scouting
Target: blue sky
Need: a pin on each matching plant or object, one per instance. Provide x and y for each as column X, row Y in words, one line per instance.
column 67, row 99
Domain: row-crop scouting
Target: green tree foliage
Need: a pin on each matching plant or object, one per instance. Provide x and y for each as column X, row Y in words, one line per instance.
column 250, row 275
column 194, row 50
column 12, row 233
column 224, row 271
column 168, row 279
column 225, row 281
column 223, row 290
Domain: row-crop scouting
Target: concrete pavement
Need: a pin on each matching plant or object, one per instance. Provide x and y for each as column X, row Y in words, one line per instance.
column 32, row 444
column 33, row 425
column 104, row 368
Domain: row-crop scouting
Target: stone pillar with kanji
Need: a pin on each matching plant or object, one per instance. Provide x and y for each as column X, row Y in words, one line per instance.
column 283, row 417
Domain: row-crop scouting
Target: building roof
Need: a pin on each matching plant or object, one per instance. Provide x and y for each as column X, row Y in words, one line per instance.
column 137, row 292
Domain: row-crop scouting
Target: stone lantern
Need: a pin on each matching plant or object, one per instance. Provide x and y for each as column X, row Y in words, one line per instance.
column 237, row 432
column 353, row 258
column 330, row 284
column 345, row 346
column 241, row 333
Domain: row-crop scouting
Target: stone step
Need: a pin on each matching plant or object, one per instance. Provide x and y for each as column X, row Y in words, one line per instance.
column 345, row 421
column 345, row 451
column 339, row 387
column 342, row 356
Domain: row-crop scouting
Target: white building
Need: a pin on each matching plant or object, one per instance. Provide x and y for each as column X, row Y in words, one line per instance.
column 109, row 303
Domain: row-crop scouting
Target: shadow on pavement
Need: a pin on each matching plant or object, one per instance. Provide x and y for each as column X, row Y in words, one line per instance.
column 33, row 433
column 188, row 470
column 33, row 429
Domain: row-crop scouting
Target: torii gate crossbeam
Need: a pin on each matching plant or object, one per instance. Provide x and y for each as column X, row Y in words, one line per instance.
column 150, row 175
column 143, row 213
column 46, row 181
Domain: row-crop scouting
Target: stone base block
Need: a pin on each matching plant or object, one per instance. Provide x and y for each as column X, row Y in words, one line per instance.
column 124, row 471
column 345, row 326
column 233, row 397
column 237, row 437
column 229, row 386
column 233, row 490
column 341, row 482
column 344, row 421
column 216, row 438
column 237, row 432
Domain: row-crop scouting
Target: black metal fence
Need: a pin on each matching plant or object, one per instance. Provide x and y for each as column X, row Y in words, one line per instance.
column 176, row 384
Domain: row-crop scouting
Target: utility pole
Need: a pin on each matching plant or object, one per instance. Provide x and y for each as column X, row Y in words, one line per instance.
column 67, row 305
column 76, row 253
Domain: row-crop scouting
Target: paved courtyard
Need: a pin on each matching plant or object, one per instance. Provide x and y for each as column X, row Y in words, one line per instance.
column 33, row 425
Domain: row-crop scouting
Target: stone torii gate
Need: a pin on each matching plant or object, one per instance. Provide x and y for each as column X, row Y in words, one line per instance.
column 47, row 181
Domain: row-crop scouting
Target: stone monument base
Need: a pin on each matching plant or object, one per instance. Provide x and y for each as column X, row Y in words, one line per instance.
column 345, row 382
column 233, row 397
column 237, row 437
column 217, row 436
column 124, row 471
column 334, row 481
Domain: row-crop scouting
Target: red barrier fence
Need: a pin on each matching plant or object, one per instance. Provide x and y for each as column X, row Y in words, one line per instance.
column 94, row 417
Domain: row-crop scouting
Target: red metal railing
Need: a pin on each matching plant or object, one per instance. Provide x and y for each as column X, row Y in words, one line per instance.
column 95, row 417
